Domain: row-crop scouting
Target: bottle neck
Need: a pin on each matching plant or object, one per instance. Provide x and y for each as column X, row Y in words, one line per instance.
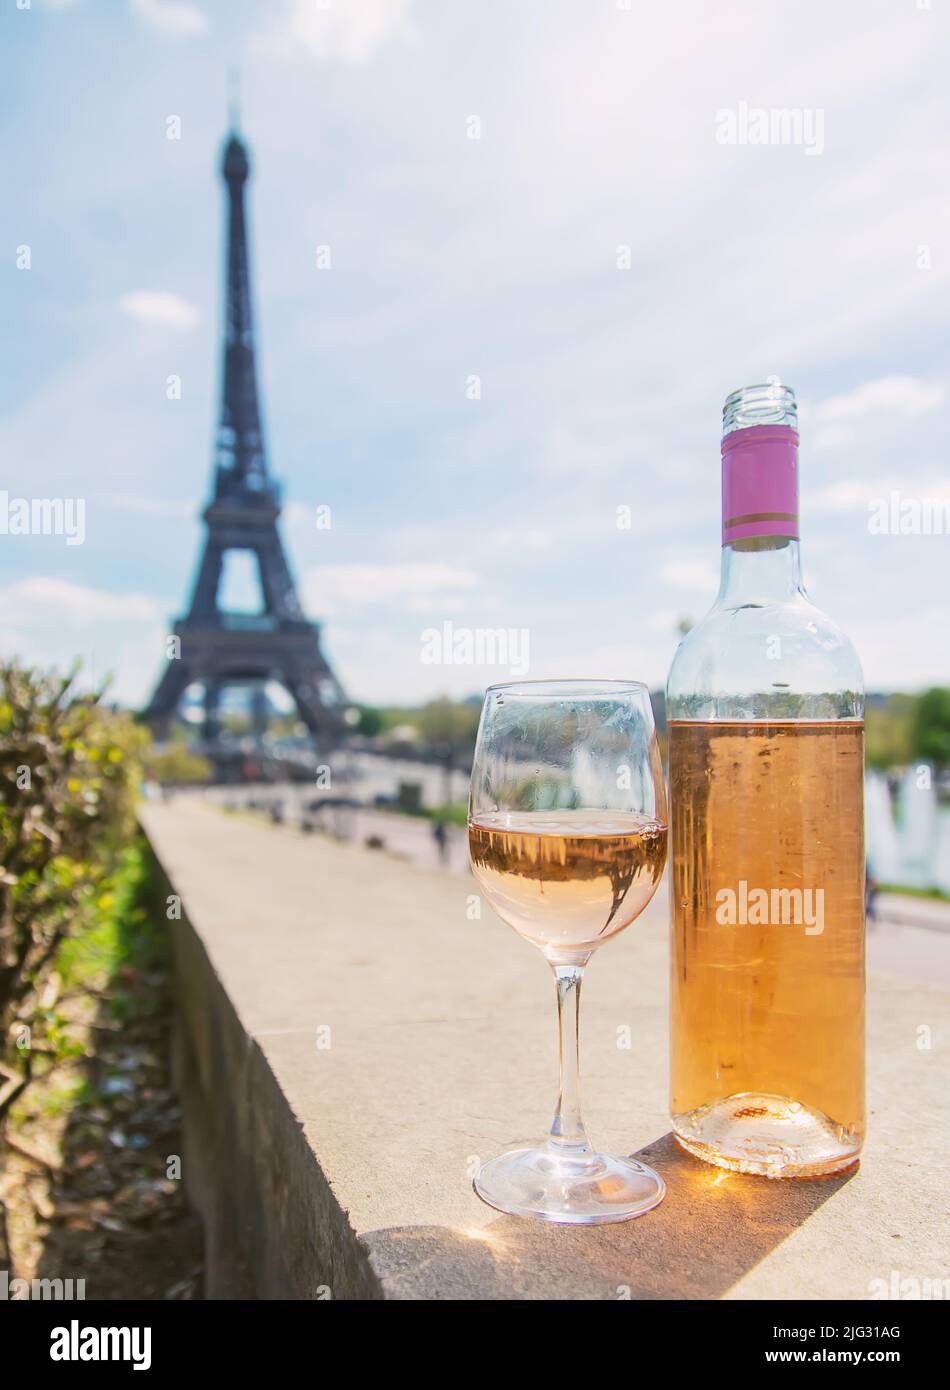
column 760, row 563
column 760, row 571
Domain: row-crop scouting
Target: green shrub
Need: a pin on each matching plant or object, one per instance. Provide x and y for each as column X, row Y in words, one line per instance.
column 69, row 774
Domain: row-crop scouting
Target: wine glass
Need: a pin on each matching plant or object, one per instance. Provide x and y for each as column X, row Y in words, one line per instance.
column 567, row 838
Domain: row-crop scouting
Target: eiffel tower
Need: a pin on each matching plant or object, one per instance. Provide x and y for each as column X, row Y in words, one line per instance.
column 217, row 648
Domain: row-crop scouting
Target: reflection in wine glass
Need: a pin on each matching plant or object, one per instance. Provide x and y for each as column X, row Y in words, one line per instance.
column 567, row 838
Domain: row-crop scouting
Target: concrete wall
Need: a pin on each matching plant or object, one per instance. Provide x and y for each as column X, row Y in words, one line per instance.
column 273, row 1228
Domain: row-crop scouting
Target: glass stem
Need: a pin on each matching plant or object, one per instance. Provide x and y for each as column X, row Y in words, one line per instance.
column 567, row 1128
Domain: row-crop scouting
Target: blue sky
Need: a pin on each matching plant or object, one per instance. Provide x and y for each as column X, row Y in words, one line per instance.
column 601, row 387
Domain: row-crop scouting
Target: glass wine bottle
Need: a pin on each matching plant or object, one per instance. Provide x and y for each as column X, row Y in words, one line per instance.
column 765, row 709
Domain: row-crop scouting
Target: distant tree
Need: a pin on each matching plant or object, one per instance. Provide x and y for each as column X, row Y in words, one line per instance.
column 450, row 722
column 370, row 722
column 889, row 732
column 177, row 765
column 449, row 728
column 931, row 727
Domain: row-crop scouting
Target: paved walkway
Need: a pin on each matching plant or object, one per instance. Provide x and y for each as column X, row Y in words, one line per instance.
column 908, row 936
column 906, row 910
column 408, row 836
column 442, row 1050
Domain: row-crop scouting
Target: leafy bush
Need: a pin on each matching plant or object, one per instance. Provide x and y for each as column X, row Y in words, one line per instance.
column 69, row 772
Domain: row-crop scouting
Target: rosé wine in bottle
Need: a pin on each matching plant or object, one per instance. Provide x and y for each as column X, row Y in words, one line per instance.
column 766, row 751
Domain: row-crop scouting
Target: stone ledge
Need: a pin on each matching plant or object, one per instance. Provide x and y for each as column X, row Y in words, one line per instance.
column 347, row 1167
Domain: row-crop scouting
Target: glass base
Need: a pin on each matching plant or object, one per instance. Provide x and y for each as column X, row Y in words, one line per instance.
column 582, row 1189
column 767, row 1135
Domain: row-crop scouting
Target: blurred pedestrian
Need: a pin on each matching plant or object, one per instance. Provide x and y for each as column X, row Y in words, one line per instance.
column 441, row 836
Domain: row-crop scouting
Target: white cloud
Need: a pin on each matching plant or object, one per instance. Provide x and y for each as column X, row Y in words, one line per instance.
column 905, row 395
column 299, row 514
column 900, row 652
column 898, row 395
column 41, row 596
column 567, row 452
column 52, row 623
column 159, row 307
column 857, row 493
column 692, row 573
column 423, row 587
column 349, row 31
column 663, row 620
column 180, row 508
column 175, row 19
column 522, row 537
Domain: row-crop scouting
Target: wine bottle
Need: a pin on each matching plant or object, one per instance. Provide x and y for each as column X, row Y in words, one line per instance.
column 765, row 710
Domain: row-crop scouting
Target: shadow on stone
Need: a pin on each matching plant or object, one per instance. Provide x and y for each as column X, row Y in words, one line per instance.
column 713, row 1227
